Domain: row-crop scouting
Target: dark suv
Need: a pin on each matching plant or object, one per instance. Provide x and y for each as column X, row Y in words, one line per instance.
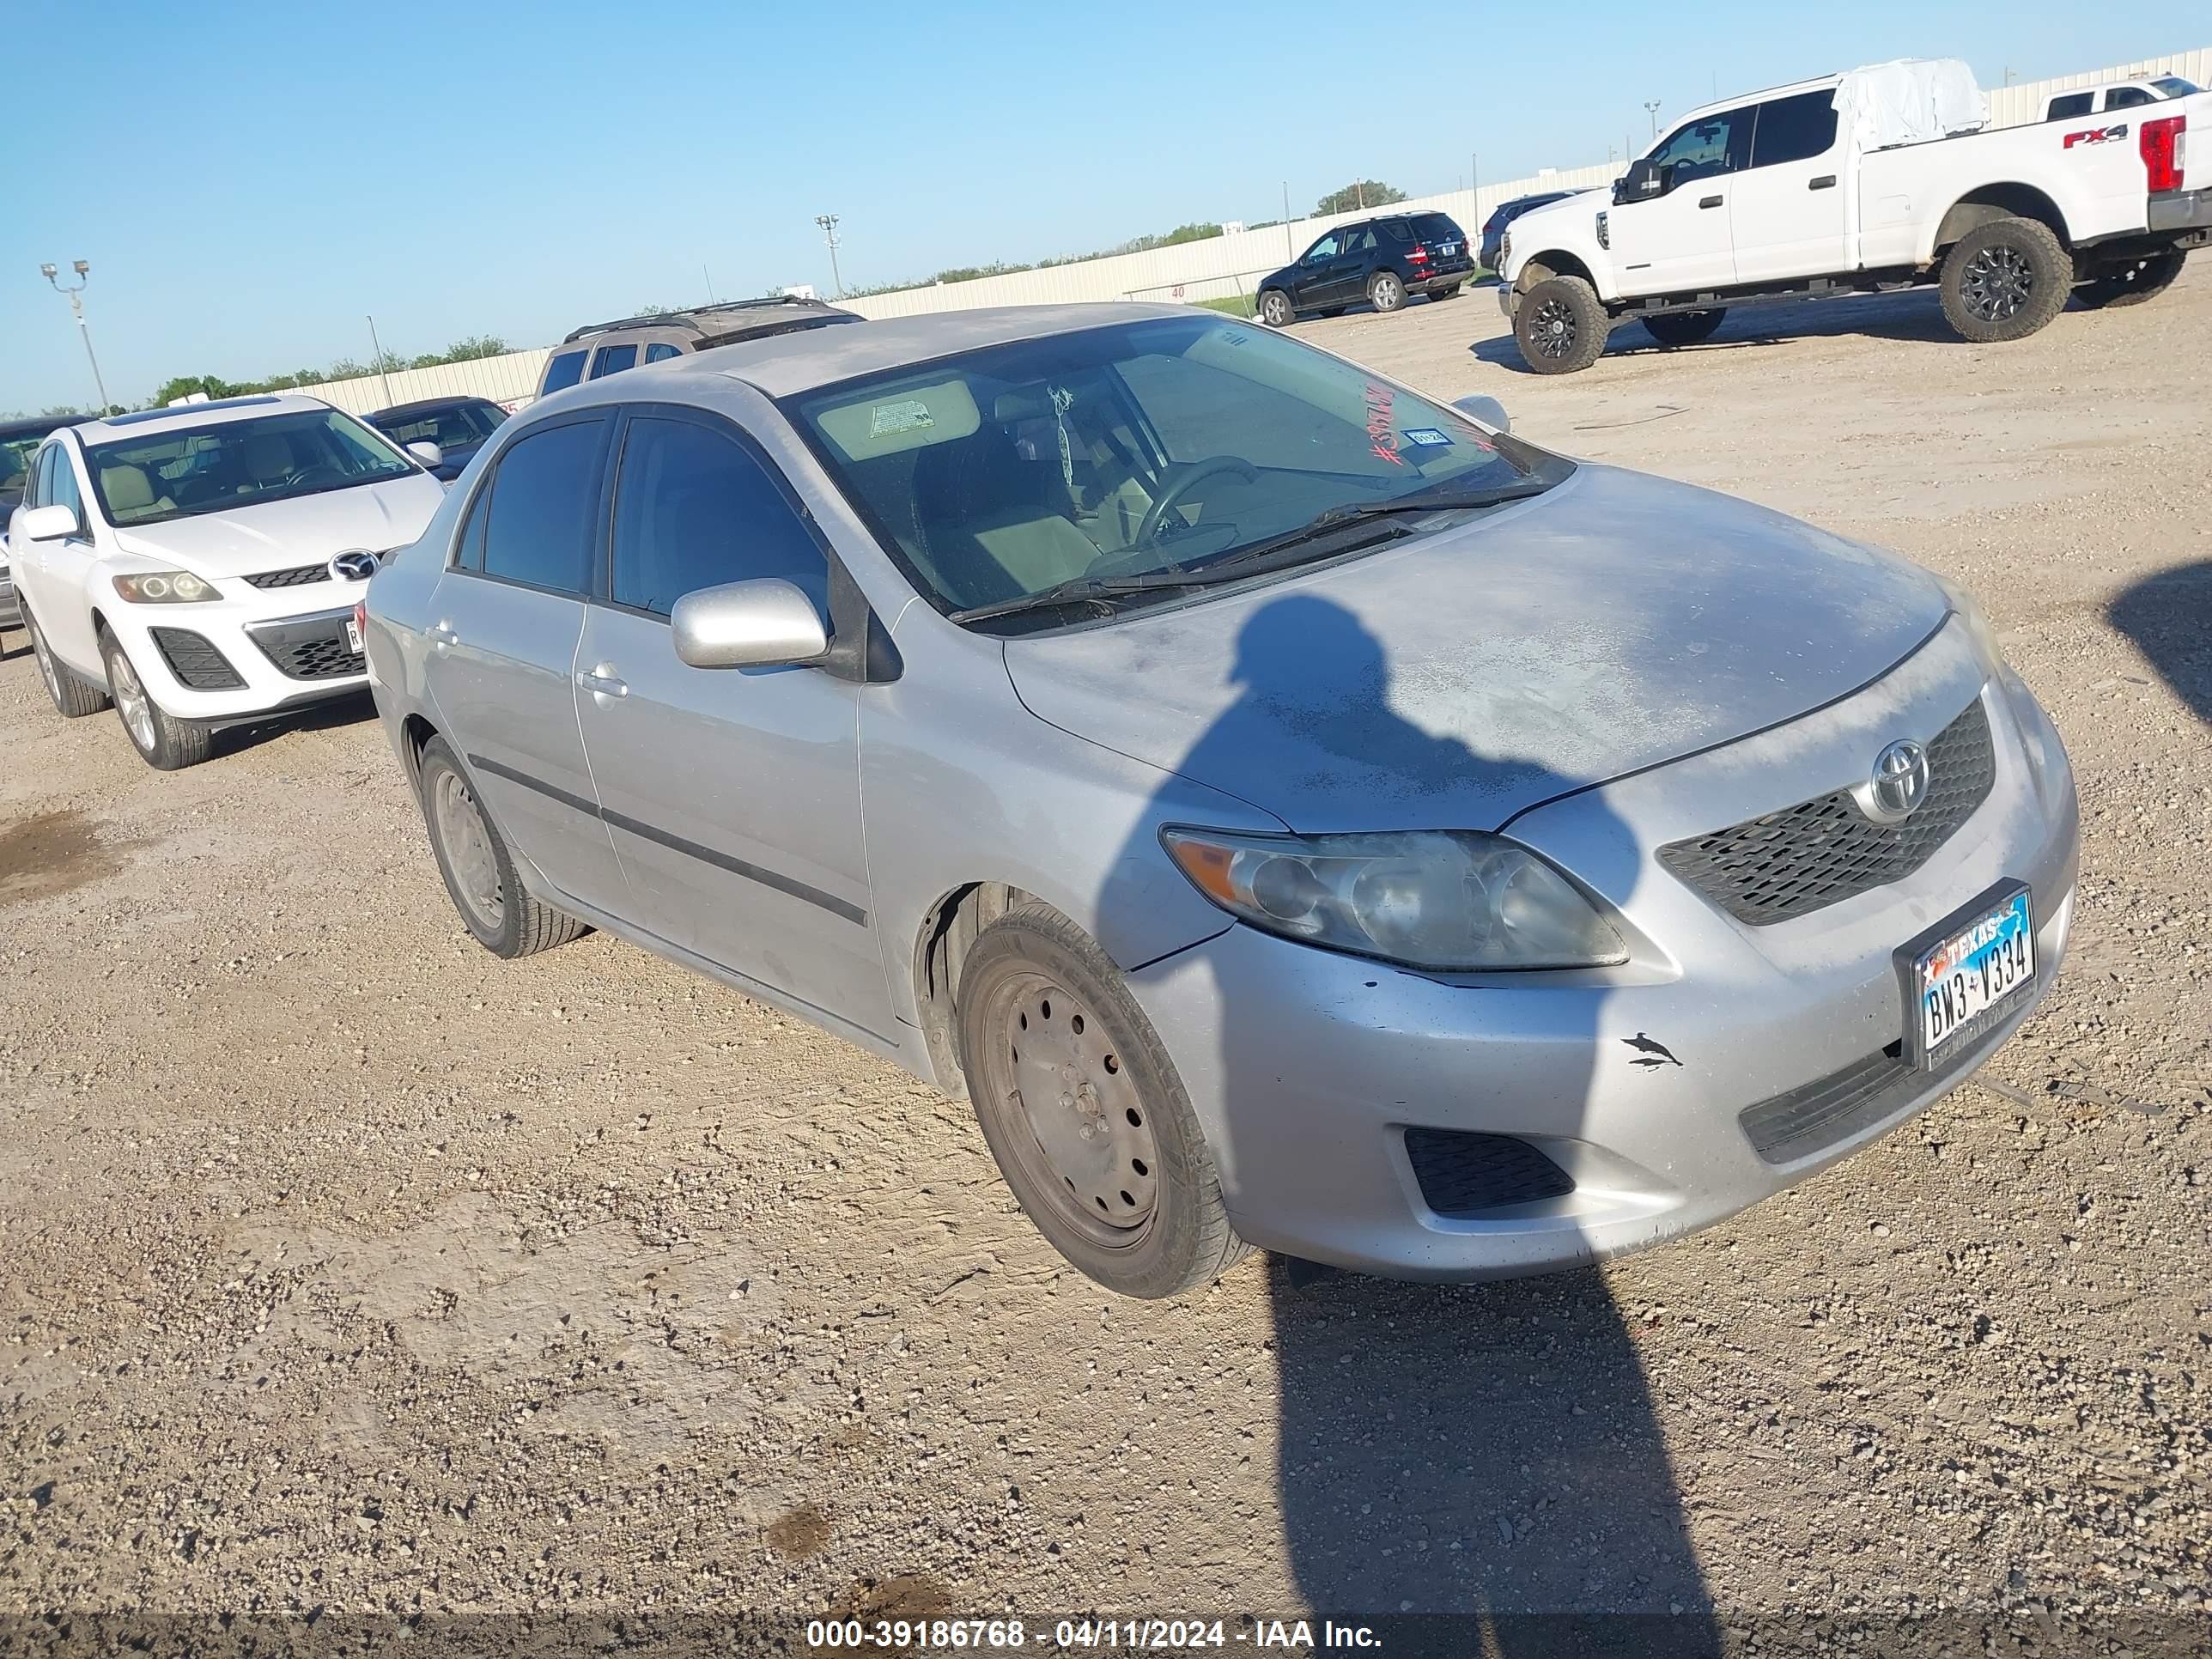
column 1380, row 260
column 630, row 341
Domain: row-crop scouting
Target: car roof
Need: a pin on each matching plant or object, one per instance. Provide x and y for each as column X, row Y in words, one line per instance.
column 783, row 364
column 423, row 405
column 152, row 423
column 37, row 425
column 1721, row 106
column 730, row 317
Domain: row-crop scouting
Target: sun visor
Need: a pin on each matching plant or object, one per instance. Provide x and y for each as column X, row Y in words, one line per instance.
column 887, row 421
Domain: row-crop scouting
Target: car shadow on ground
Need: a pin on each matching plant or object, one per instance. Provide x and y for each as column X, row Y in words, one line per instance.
column 349, row 710
column 2169, row 616
column 1918, row 315
column 1478, row 1465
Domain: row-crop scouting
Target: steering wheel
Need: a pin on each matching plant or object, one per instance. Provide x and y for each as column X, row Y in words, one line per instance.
column 318, row 474
column 1172, row 497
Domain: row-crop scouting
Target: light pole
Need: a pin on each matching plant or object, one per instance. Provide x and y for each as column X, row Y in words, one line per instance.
column 829, row 223
column 76, row 305
column 1652, row 109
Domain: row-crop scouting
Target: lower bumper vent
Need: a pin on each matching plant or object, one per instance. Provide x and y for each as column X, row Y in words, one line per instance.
column 1464, row 1176
column 195, row 661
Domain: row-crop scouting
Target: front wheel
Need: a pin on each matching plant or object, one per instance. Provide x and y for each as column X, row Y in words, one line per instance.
column 1083, row 1111
column 1385, row 292
column 1275, row 309
column 1561, row 326
column 1683, row 328
column 2134, row 282
column 163, row 742
column 2004, row 281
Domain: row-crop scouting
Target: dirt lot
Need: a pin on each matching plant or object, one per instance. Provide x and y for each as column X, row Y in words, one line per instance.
column 347, row 1267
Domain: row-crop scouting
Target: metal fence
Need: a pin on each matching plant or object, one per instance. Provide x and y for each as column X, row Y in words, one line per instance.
column 1219, row 267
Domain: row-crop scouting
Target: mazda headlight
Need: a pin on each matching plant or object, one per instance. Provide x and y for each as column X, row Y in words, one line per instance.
column 1442, row 899
column 166, row 587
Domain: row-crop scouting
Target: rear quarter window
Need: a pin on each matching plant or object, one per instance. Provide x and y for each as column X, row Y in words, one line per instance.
column 2073, row 104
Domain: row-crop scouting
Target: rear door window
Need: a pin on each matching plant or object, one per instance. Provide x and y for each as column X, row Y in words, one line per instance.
column 542, row 507
column 694, row 507
column 2073, row 104
column 1795, row 129
column 565, row 370
column 613, row 358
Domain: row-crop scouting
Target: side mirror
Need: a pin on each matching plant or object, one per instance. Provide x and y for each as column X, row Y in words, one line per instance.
column 1642, row 181
column 51, row 523
column 754, row 624
column 1488, row 410
column 428, row 454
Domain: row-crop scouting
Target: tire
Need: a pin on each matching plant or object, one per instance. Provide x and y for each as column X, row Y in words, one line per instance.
column 1276, row 310
column 2143, row 279
column 1683, row 328
column 2004, row 281
column 507, row 920
column 1386, row 291
column 1448, row 292
column 73, row 695
column 1561, row 326
column 1145, row 1218
column 163, row 742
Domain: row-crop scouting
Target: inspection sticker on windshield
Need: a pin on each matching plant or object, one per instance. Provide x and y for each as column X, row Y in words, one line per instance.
column 888, row 419
column 1428, row 437
column 1965, row 977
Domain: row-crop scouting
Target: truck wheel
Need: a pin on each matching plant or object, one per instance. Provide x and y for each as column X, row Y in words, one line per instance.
column 1083, row 1111
column 1275, row 309
column 1561, row 326
column 479, row 872
column 1682, row 328
column 74, row 696
column 2004, row 280
column 163, row 742
column 1385, row 292
column 2133, row 283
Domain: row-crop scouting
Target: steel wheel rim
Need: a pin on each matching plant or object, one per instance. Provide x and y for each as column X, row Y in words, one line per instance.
column 1553, row 326
column 46, row 670
column 1386, row 292
column 1070, row 1115
column 1998, row 283
column 131, row 702
column 467, row 844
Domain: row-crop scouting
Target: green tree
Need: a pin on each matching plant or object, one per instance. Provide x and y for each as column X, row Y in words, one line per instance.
column 1358, row 194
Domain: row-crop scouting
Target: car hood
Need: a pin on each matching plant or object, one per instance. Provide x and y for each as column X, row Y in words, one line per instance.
column 272, row 535
column 1614, row 622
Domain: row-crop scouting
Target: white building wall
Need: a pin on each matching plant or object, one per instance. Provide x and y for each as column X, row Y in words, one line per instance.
column 1219, row 267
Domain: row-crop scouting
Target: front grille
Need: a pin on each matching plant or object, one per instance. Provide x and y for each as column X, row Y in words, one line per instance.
column 298, row 576
column 1787, row 864
column 312, row 649
column 1464, row 1176
column 194, row 661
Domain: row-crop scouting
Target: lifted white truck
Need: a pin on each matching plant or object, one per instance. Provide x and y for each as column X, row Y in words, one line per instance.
column 1880, row 179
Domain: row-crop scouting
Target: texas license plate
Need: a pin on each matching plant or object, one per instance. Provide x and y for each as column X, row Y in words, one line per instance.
column 353, row 636
column 1966, row 974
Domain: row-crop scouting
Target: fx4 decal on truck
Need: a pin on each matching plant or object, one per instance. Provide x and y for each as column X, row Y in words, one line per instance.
column 2095, row 136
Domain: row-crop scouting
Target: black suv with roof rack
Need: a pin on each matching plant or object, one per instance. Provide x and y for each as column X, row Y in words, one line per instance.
column 1380, row 260
column 629, row 341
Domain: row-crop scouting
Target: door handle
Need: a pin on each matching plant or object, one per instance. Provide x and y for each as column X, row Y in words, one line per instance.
column 603, row 681
column 441, row 634
column 1826, row 181
column 1709, row 201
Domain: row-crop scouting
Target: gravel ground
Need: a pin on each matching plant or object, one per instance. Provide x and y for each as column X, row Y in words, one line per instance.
column 343, row 1266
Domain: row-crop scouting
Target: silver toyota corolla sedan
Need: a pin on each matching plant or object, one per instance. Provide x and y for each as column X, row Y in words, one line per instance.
column 1295, row 812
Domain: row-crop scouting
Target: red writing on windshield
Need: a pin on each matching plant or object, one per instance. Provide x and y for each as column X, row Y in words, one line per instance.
column 1379, row 399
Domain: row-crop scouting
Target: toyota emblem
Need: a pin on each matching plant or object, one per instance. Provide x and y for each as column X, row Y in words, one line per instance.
column 1898, row 785
column 357, row 565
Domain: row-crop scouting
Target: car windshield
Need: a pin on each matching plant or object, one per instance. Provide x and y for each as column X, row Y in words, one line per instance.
column 2173, row 86
column 458, row 426
column 188, row 470
column 1151, row 448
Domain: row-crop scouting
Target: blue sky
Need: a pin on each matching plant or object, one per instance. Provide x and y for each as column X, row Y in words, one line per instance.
column 249, row 181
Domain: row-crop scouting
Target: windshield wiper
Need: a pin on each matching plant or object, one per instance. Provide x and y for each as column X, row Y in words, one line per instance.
column 1077, row 588
column 1240, row 562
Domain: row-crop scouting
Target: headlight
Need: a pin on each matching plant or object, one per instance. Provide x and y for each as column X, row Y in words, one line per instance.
column 1425, row 898
column 166, row 587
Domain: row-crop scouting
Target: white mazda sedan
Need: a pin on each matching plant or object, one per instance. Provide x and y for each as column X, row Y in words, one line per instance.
column 198, row 566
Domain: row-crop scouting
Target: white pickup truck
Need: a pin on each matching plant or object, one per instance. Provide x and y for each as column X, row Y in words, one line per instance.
column 1882, row 179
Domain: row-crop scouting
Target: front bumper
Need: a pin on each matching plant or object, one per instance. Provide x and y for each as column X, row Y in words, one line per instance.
column 1308, row 1069
column 247, row 654
column 2183, row 210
